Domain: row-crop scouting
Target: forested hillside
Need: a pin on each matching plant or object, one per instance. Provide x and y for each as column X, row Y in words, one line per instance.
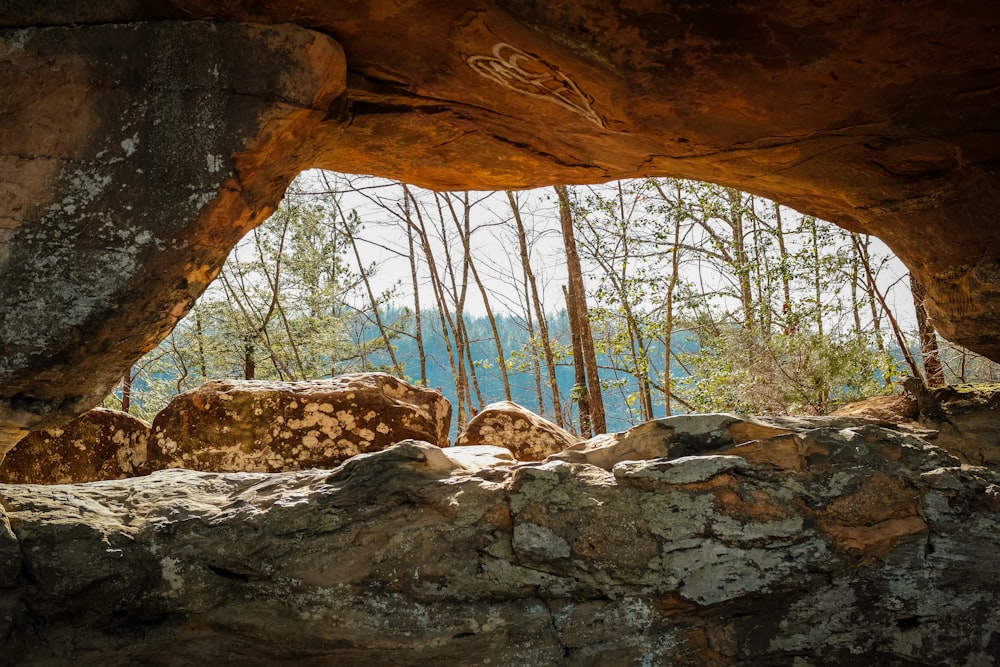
column 597, row 307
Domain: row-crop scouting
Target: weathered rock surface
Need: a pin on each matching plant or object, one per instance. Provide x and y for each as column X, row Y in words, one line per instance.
column 259, row 426
column 673, row 437
column 966, row 420
column 99, row 444
column 132, row 158
column 895, row 408
column 835, row 543
column 138, row 144
column 528, row 436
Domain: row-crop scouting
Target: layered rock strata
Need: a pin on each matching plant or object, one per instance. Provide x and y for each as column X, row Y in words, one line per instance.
column 833, row 543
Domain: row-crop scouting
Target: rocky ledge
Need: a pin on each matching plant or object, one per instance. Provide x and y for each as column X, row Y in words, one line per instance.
column 795, row 542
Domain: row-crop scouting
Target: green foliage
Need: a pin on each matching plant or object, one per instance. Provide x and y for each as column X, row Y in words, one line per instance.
column 801, row 372
column 702, row 295
column 286, row 306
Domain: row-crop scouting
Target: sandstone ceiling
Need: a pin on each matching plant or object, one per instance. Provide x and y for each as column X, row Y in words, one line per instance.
column 139, row 141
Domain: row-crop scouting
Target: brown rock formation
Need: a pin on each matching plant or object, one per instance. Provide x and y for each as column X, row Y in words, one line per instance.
column 509, row 425
column 136, row 150
column 672, row 437
column 964, row 421
column 871, row 547
column 258, row 426
column 132, row 158
column 99, row 444
column 896, row 408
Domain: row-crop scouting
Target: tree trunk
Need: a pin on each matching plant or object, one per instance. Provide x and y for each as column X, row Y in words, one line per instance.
column 761, row 273
column 855, row 301
column 249, row 364
column 671, row 289
column 578, row 309
column 127, row 390
column 458, row 292
column 928, row 337
column 447, row 324
column 536, row 364
column 861, row 251
column 869, row 274
column 741, row 258
column 374, row 304
column 543, row 327
column 817, row 276
column 200, row 337
column 669, row 333
column 473, row 376
column 640, row 361
column 579, row 370
column 497, row 341
column 418, row 325
column 787, row 316
column 501, row 357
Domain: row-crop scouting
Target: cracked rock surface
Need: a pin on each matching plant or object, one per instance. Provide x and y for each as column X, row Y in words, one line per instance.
column 832, row 542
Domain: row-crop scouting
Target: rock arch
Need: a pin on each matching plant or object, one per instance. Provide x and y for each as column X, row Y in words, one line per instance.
column 139, row 142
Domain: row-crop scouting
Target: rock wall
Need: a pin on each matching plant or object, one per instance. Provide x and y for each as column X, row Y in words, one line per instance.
column 133, row 158
column 832, row 543
column 138, row 143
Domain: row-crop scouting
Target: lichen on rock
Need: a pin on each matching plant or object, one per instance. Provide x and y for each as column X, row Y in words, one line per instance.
column 875, row 548
column 505, row 424
column 100, row 444
column 262, row 426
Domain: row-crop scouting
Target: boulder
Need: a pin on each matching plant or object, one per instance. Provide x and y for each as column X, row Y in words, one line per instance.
column 872, row 547
column 525, row 434
column 963, row 420
column 895, row 408
column 99, row 444
column 251, row 425
column 968, row 422
column 670, row 437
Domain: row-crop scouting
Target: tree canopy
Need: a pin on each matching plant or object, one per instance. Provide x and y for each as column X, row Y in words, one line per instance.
column 695, row 297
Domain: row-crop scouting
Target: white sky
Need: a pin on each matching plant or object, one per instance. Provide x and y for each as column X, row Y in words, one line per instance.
column 383, row 242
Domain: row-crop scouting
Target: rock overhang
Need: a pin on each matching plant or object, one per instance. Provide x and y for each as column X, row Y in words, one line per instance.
column 879, row 118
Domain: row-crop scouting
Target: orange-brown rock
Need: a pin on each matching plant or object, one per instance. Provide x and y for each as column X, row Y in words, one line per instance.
column 132, row 158
column 139, row 140
column 99, row 444
column 525, row 434
column 258, row 426
column 876, row 514
column 966, row 422
column 675, row 436
column 895, row 408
